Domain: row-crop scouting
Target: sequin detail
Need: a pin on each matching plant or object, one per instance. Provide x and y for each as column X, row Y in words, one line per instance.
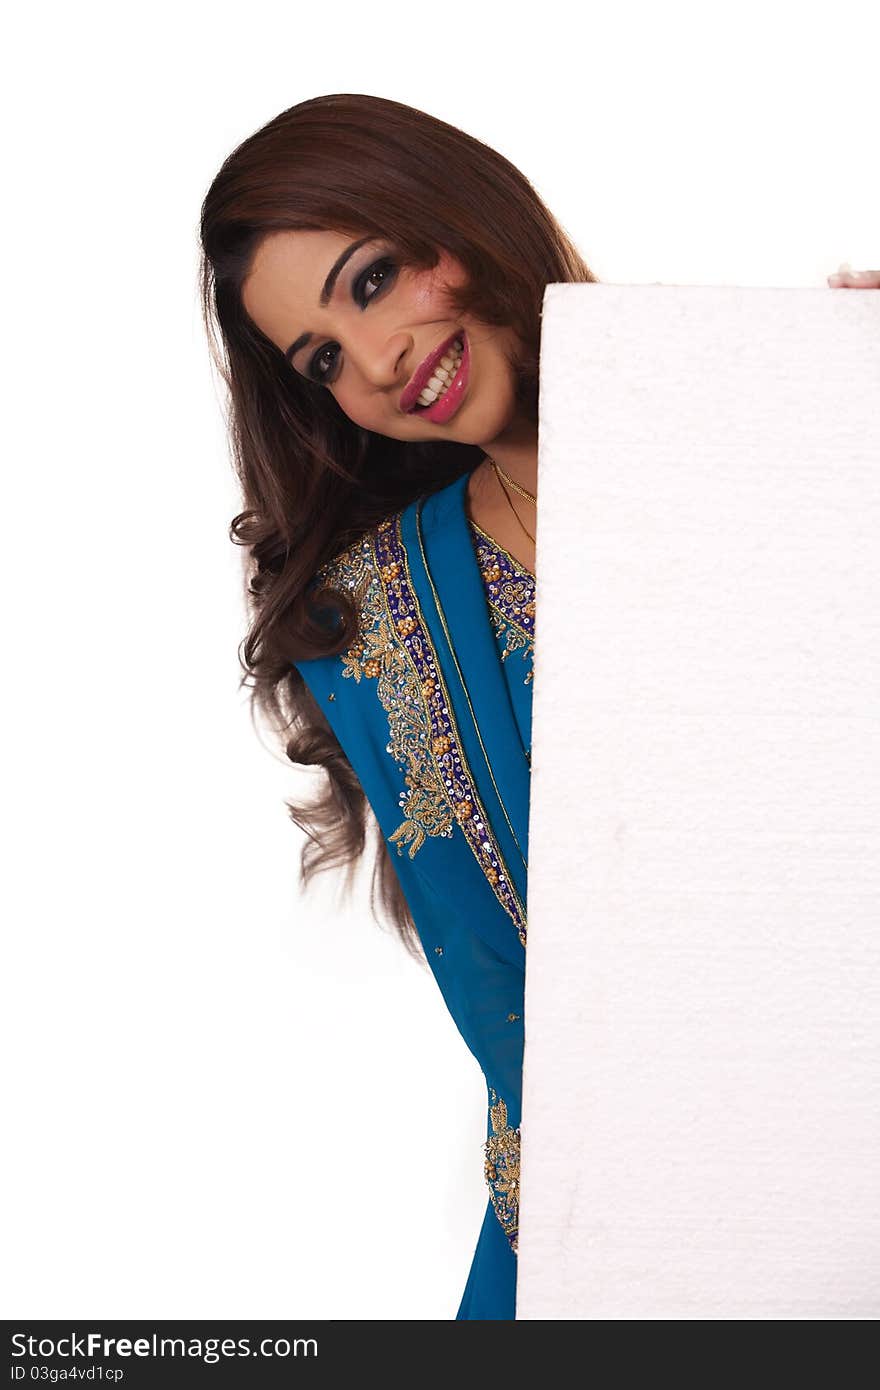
column 394, row 648
column 501, row 1169
column 510, row 592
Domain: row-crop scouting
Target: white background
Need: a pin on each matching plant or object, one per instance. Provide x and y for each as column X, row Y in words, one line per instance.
column 223, row 1099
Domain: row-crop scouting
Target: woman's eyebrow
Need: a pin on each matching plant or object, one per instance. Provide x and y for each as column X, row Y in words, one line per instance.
column 327, row 290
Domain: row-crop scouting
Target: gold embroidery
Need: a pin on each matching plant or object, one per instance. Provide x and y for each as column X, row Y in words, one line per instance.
column 394, row 647
column 515, row 640
column 379, row 654
column 501, row 1170
column 510, row 593
column 513, row 563
column 481, row 842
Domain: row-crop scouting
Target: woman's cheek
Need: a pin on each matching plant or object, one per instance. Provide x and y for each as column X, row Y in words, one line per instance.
column 366, row 417
column 430, row 288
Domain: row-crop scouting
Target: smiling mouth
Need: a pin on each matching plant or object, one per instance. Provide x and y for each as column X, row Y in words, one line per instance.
column 442, row 377
column 434, row 375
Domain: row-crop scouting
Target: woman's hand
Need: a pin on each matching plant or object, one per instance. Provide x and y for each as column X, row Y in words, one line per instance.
column 846, row 279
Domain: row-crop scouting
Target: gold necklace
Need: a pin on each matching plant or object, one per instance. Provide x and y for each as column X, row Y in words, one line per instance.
column 529, row 496
column 509, row 500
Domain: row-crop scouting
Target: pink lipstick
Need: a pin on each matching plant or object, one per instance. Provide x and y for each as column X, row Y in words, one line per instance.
column 448, row 403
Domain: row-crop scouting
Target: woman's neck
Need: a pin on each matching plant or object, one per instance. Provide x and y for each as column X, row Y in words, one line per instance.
column 516, row 451
column 501, row 512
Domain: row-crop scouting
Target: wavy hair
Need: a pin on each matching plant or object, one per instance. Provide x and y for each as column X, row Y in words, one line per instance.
column 312, row 480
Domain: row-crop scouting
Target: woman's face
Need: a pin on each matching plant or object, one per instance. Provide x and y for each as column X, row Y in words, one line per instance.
column 361, row 326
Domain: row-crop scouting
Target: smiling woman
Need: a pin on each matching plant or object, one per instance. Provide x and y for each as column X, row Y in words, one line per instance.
column 370, row 379
column 372, row 280
column 372, row 283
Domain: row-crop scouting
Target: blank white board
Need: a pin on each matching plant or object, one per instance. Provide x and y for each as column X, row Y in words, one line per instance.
column 701, row 1112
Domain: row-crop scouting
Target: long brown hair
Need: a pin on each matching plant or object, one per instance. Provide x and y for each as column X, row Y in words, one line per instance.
column 312, row 480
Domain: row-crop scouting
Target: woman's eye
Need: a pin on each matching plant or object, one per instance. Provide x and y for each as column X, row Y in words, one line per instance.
column 375, row 279
column 318, row 362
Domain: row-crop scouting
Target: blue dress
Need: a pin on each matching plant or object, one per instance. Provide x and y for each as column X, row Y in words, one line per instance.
column 432, row 706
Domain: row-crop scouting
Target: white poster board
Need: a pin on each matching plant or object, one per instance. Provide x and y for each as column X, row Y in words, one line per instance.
column 701, row 1114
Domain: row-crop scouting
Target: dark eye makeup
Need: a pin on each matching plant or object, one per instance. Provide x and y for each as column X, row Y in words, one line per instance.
column 362, row 291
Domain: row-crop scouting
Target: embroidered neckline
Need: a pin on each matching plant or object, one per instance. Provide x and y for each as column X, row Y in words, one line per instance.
column 490, row 540
column 510, row 595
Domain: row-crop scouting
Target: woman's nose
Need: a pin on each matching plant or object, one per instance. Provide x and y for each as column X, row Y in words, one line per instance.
column 382, row 359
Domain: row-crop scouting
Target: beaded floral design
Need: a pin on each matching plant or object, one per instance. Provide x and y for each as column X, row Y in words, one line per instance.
column 394, row 648
column 510, row 592
column 501, row 1169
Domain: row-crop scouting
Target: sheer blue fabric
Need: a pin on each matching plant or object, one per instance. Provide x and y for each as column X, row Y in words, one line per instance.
column 432, row 706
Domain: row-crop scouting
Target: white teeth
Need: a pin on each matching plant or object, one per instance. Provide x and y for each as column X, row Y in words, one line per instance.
column 442, row 378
